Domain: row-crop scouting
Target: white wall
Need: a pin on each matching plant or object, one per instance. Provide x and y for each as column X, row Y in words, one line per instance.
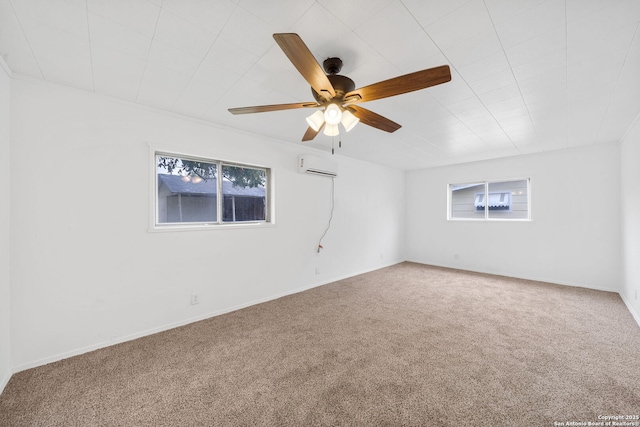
column 87, row 272
column 630, row 172
column 574, row 237
column 5, row 200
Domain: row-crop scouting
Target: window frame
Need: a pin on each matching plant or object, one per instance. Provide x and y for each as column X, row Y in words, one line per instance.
column 486, row 216
column 220, row 223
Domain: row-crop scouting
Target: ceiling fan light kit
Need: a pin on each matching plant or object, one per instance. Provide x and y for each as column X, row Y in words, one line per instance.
column 336, row 94
column 349, row 121
column 331, row 130
column 316, row 120
column 332, row 114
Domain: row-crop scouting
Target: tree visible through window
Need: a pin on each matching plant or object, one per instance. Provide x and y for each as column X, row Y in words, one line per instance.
column 206, row 191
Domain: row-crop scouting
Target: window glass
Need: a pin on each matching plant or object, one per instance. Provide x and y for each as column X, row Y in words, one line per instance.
column 490, row 200
column 188, row 189
column 463, row 199
column 244, row 193
column 509, row 200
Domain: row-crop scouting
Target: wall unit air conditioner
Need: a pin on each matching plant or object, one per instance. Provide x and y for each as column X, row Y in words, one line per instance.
column 317, row 166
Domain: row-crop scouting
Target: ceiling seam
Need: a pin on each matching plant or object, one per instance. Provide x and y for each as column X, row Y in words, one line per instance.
column 535, row 129
column 355, row 28
column 442, row 16
column 93, row 81
column 202, row 60
column 206, row 112
column 615, row 87
column 198, row 67
column 33, row 54
column 424, row 30
column 146, row 60
column 259, row 58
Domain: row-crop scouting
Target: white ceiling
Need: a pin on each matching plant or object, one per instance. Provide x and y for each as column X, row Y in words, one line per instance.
column 527, row 75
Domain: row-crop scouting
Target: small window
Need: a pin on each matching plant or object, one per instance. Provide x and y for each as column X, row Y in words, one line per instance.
column 490, row 200
column 205, row 191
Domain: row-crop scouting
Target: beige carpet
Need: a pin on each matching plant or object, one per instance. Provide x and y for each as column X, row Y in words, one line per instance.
column 408, row 345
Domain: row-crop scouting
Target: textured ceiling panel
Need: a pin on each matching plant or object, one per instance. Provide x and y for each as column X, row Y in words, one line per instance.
column 527, row 75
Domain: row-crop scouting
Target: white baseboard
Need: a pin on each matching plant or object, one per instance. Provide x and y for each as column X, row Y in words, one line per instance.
column 125, row 338
column 4, row 381
column 635, row 315
column 97, row 346
column 535, row 279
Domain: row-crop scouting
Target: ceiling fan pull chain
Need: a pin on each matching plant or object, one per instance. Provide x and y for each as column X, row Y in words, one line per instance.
column 333, row 151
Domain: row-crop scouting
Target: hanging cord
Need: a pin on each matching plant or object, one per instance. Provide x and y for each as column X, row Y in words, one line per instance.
column 333, row 183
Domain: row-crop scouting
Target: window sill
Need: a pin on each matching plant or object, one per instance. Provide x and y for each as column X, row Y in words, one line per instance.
column 491, row 219
column 208, row 226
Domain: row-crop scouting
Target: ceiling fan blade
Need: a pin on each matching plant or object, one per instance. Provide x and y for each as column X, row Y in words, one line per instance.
column 275, row 107
column 401, row 84
column 375, row 120
column 302, row 58
column 310, row 133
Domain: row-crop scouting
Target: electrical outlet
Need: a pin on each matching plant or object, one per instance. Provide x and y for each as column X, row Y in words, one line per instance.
column 317, row 270
column 455, row 256
column 195, row 299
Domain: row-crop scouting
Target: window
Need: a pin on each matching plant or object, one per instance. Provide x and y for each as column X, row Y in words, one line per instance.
column 204, row 191
column 490, row 200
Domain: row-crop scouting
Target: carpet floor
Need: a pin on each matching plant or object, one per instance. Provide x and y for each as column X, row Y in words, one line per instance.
column 407, row 345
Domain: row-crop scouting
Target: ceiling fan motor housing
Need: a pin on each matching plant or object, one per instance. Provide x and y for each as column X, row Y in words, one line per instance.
column 341, row 85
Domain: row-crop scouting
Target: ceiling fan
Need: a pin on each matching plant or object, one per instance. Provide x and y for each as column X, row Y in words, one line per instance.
column 337, row 95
